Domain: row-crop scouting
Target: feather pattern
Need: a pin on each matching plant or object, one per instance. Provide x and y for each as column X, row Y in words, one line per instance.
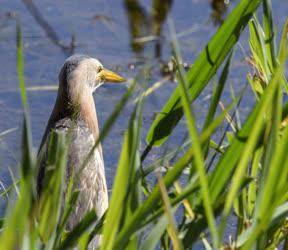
column 74, row 114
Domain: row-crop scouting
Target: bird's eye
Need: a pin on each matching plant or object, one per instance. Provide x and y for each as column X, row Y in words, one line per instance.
column 99, row 70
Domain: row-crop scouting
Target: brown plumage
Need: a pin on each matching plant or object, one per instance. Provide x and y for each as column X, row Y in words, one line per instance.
column 75, row 111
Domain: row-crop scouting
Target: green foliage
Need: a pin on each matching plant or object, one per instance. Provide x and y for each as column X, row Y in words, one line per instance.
column 244, row 178
column 206, row 65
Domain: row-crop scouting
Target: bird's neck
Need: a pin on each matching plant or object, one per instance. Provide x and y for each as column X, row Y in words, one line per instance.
column 75, row 105
column 87, row 112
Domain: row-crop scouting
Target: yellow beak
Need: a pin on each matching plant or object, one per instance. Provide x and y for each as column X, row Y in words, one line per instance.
column 109, row 76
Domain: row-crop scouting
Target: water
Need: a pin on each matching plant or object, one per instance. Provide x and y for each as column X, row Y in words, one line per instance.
column 106, row 30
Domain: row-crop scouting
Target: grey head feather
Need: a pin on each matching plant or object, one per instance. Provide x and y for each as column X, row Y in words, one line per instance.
column 70, row 64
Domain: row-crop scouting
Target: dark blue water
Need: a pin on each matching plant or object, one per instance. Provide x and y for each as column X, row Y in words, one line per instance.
column 102, row 29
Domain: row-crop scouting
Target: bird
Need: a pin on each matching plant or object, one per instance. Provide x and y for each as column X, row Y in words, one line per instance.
column 75, row 112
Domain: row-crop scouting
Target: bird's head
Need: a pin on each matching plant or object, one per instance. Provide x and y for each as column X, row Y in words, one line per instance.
column 81, row 72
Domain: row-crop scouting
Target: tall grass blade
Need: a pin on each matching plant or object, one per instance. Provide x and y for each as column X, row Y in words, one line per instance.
column 216, row 98
column 203, row 69
column 249, row 146
column 154, row 236
column 269, row 33
column 171, row 227
column 125, row 192
column 18, row 217
column 49, row 207
column 74, row 236
column 198, row 156
column 176, row 170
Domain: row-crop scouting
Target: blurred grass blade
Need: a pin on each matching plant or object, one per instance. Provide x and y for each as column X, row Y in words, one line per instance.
column 134, row 192
column 17, row 215
column 171, row 227
column 252, row 188
column 258, row 49
column 194, row 228
column 229, row 159
column 216, row 98
column 269, row 33
column 51, row 197
column 165, row 158
column 157, row 231
column 192, row 128
column 83, row 226
column 279, row 215
column 249, row 146
column 71, row 198
column 20, row 64
column 270, row 195
column 146, row 207
column 203, row 69
column 275, row 171
column 27, row 161
column 125, row 192
column 118, row 197
column 282, row 56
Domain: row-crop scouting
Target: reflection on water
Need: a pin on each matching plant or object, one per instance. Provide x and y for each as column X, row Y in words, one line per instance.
column 138, row 23
column 160, row 10
column 146, row 26
column 51, row 34
column 219, row 8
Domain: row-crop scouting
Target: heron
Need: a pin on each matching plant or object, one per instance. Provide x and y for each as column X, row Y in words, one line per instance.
column 75, row 111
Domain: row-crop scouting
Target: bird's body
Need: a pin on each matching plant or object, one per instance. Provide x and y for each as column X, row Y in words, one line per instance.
column 91, row 183
column 75, row 113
